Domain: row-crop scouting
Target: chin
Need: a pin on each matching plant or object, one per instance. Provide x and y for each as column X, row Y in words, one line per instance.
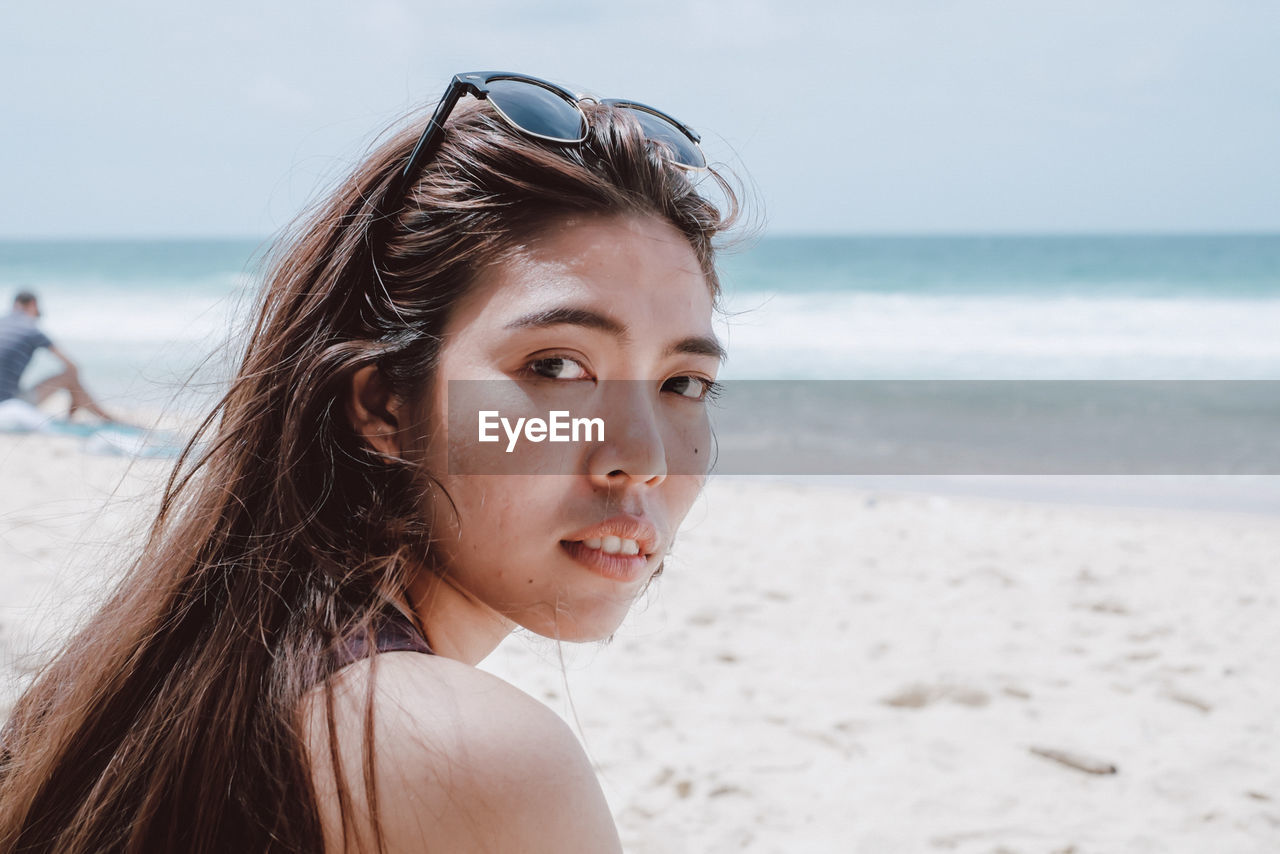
column 592, row 621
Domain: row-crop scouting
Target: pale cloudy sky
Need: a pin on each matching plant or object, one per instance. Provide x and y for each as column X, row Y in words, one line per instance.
column 151, row 118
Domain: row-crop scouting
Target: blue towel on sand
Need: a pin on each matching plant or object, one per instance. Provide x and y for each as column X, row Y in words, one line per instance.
column 117, row 440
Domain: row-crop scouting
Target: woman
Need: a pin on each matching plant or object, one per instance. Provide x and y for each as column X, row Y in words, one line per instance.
column 228, row 697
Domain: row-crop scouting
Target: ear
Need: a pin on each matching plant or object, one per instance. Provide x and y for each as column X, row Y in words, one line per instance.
column 374, row 411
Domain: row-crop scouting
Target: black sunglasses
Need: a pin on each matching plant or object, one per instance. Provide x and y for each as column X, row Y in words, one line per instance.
column 545, row 111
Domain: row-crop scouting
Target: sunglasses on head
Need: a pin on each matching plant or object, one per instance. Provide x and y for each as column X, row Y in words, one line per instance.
column 545, row 111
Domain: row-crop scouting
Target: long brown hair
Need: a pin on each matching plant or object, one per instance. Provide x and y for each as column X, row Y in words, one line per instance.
column 170, row 721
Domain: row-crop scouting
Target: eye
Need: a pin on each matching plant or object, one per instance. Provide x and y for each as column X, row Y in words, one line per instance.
column 693, row 388
column 557, row 368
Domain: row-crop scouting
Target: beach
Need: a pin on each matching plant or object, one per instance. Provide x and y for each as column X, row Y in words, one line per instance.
column 989, row 558
column 834, row 668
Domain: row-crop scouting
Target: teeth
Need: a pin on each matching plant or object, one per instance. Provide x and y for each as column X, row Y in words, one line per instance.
column 612, row 545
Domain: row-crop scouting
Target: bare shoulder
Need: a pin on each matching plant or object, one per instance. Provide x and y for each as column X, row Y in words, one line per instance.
column 462, row 761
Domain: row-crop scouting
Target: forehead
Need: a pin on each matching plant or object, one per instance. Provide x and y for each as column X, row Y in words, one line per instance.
column 638, row 267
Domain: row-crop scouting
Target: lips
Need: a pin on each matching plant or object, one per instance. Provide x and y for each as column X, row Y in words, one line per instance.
column 620, row 548
column 622, row 535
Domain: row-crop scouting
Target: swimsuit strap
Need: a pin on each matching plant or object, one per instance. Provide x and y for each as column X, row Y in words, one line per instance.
column 391, row 632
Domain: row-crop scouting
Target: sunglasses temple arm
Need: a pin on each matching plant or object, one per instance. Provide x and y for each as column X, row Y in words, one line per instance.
column 430, row 139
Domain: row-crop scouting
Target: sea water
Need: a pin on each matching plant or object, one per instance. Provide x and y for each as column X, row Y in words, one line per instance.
column 983, row 308
column 159, row 326
column 154, row 321
column 150, row 324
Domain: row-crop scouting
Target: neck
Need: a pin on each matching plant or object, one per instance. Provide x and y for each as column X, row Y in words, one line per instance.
column 457, row 625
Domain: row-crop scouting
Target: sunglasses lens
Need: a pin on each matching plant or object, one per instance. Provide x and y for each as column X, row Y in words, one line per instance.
column 538, row 110
column 683, row 149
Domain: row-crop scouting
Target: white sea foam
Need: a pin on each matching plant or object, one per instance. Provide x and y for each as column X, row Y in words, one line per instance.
column 145, row 343
column 900, row 336
column 181, row 310
column 157, row 335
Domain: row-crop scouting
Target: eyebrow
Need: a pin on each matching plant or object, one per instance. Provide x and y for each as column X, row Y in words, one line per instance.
column 698, row 345
column 694, row 345
column 569, row 315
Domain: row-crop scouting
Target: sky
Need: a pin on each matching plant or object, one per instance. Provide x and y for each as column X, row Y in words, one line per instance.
column 170, row 119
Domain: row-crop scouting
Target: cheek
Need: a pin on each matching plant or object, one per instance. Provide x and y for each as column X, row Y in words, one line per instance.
column 494, row 519
column 688, row 444
column 498, row 427
column 681, row 490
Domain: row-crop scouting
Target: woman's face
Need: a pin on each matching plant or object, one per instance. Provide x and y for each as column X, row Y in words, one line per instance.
column 606, row 317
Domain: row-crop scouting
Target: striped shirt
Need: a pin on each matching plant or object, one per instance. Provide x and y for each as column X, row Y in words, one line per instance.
column 19, row 339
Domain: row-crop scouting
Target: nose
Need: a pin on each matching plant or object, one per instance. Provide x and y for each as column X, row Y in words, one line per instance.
column 633, row 451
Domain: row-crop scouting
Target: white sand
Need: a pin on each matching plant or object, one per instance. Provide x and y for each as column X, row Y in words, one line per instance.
column 827, row 670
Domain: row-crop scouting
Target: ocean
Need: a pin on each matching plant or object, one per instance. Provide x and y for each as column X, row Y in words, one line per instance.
column 151, row 321
column 986, row 308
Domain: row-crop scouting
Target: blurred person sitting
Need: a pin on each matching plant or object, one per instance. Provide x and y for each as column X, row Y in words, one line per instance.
column 19, row 339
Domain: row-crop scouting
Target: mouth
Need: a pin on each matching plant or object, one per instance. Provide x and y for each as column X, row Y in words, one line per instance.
column 620, row 548
column 616, row 566
column 612, row 545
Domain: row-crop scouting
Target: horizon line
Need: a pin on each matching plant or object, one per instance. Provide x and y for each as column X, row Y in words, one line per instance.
column 764, row 234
